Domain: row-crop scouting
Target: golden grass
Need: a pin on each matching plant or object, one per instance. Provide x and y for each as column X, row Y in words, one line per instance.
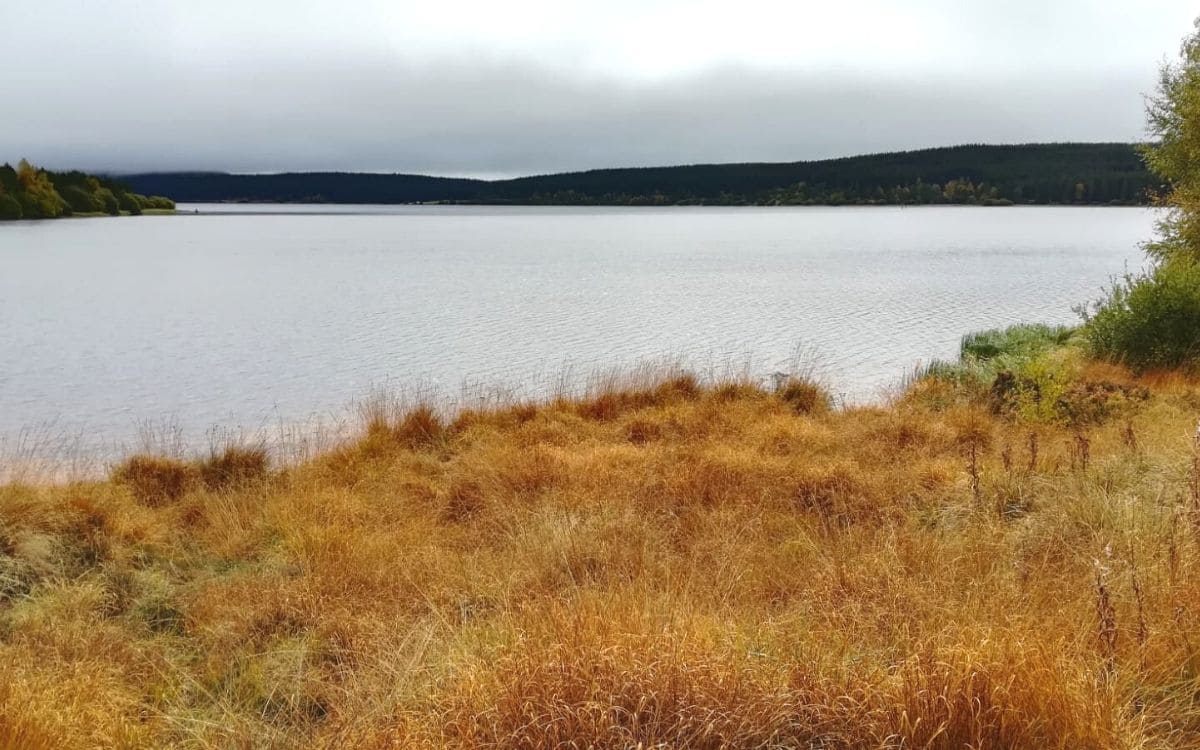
column 668, row 565
column 155, row 480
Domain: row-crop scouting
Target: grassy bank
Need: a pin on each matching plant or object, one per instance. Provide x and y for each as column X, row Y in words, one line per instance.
column 1006, row 556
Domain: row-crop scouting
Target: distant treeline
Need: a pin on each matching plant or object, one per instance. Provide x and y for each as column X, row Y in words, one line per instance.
column 27, row 192
column 1059, row 173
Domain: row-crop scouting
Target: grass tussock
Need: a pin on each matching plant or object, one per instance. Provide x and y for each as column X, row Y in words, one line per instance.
column 668, row 563
column 234, row 466
column 804, row 396
column 155, row 480
column 162, row 480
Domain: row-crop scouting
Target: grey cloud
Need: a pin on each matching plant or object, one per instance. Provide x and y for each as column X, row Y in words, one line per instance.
column 501, row 116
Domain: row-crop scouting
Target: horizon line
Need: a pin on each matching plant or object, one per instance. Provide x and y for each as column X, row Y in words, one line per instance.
column 861, row 155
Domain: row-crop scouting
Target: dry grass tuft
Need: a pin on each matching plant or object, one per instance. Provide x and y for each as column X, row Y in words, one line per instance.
column 18, row 729
column 596, row 675
column 234, row 466
column 640, row 431
column 155, row 480
column 612, row 399
column 465, row 499
column 421, row 428
column 805, row 396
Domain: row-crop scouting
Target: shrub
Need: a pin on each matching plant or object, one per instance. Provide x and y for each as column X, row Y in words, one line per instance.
column 81, row 201
column 1093, row 402
column 155, row 480
column 1150, row 321
column 44, row 207
column 10, row 208
column 1005, row 365
column 1031, row 392
column 9, row 183
column 1153, row 320
column 158, row 202
column 129, row 202
column 1043, row 393
column 108, row 202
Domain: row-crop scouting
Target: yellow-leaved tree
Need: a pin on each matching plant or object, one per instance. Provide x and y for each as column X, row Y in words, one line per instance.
column 39, row 199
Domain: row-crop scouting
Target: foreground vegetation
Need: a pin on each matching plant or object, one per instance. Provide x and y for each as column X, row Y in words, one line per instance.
column 28, row 192
column 1060, row 173
column 664, row 562
column 1007, row 555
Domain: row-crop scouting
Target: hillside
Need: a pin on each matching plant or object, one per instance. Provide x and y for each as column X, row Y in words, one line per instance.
column 28, row 192
column 298, row 187
column 1073, row 173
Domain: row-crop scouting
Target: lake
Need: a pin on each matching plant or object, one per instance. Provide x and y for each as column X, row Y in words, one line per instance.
column 246, row 316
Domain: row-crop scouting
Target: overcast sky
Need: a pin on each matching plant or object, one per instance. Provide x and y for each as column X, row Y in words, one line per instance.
column 528, row 86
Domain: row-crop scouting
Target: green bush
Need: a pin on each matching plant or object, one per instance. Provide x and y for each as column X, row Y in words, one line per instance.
column 10, row 208
column 41, row 207
column 1153, row 320
column 9, row 183
column 129, row 202
column 158, row 202
column 1150, row 321
column 80, row 201
column 109, row 202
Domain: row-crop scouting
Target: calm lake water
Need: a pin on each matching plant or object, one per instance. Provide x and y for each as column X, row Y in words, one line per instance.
column 244, row 319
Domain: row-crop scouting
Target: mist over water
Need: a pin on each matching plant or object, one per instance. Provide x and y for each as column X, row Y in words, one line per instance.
column 240, row 318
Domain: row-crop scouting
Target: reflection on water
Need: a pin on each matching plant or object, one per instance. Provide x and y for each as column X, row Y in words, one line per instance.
column 242, row 319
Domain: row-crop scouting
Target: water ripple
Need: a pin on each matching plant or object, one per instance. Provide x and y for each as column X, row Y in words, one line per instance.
column 236, row 319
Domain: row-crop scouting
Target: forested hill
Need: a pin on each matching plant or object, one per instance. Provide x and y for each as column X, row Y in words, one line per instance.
column 306, row 187
column 28, row 192
column 1068, row 173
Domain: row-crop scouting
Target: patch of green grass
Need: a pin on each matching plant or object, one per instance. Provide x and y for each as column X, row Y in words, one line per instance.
column 1035, row 374
column 1022, row 370
column 985, row 354
column 1015, row 343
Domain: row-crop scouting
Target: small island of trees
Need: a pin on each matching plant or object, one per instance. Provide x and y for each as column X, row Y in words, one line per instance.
column 28, row 192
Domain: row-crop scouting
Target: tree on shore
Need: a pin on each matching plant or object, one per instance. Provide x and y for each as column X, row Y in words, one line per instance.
column 27, row 192
column 1153, row 319
column 1174, row 154
column 10, row 207
column 39, row 199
